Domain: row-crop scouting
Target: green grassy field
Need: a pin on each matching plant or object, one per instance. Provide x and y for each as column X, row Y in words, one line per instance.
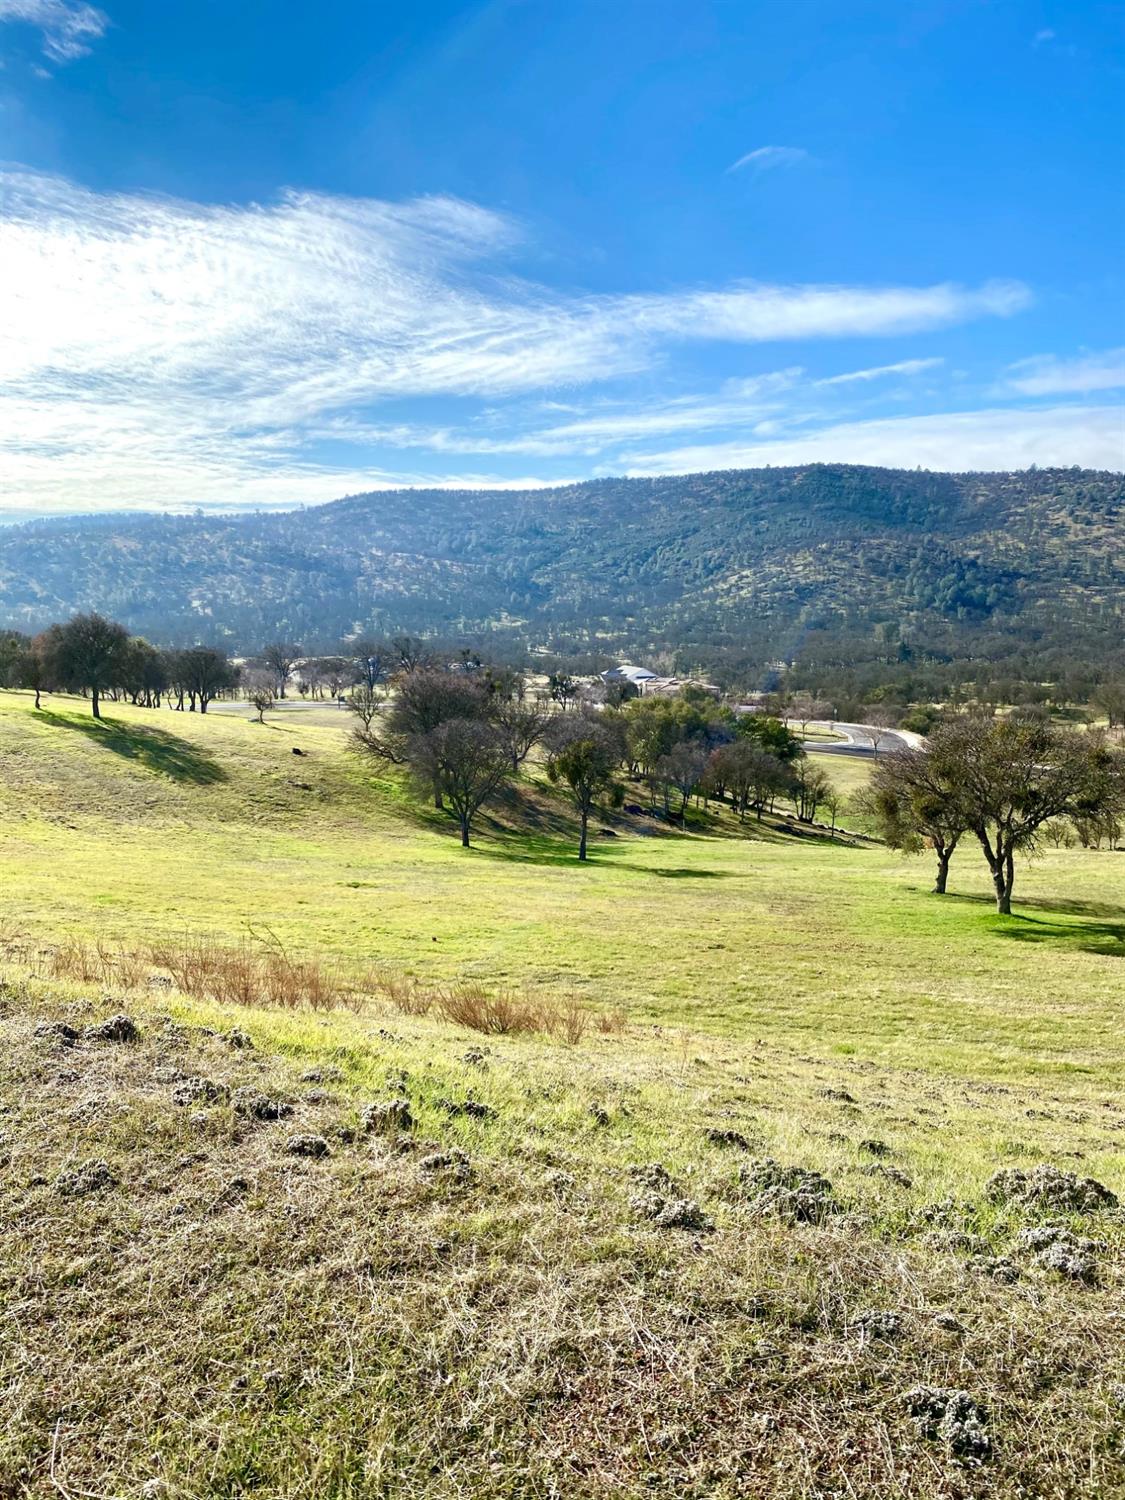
column 355, row 1326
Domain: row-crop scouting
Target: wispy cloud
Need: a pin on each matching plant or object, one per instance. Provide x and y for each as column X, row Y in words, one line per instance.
column 1048, row 375
column 159, row 351
column 766, row 158
column 880, row 372
column 67, row 29
column 998, row 438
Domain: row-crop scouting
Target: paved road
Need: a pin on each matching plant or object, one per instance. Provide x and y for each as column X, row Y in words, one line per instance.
column 857, row 741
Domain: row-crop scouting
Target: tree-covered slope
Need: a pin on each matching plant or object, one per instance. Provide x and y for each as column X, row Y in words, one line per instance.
column 753, row 561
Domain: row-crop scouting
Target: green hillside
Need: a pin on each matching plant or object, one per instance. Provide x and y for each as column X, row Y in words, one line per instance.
column 728, row 570
column 473, row 1299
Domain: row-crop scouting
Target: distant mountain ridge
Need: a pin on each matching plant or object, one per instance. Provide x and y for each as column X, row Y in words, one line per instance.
column 753, row 563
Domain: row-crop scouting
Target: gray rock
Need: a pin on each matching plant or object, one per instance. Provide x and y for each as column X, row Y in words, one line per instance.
column 90, row 1177
column 307, row 1145
column 119, row 1028
column 255, row 1106
column 199, row 1091
column 57, row 1031
column 951, row 1417
column 451, row 1163
column 654, row 1177
column 471, row 1109
column 671, row 1213
column 793, row 1193
column 387, row 1118
column 889, row 1174
column 876, row 1148
column 997, row 1267
column 878, row 1323
column 1049, row 1188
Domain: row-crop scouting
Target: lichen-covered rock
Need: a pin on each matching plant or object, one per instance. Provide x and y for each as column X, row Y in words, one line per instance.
column 1049, row 1189
column 307, row 1145
column 875, row 1148
column 322, row 1075
column 90, row 1177
column 452, row 1163
column 671, row 1213
column 997, row 1268
column 878, row 1323
column 733, row 1138
column 1056, row 1249
column 888, row 1174
column 199, row 1091
column 654, row 1177
column 793, row 1193
column 57, row 1031
column 119, row 1028
column 470, row 1108
column 387, row 1118
column 255, row 1106
column 951, row 1417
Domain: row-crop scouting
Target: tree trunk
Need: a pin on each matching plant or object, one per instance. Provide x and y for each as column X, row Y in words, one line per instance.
column 1003, row 878
column 582, row 838
column 943, row 858
column 202, row 704
column 438, row 803
column 36, row 697
column 464, row 831
column 94, row 703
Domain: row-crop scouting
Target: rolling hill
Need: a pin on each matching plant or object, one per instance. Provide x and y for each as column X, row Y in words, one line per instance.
column 727, row 570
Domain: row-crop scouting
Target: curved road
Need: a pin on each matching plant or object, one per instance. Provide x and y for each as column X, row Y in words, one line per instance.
column 857, row 739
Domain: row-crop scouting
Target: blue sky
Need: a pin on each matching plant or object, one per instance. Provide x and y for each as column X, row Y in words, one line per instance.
column 262, row 255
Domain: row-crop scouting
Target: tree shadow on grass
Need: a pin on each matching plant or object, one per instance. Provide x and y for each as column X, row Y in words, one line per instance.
column 154, row 749
column 1106, row 937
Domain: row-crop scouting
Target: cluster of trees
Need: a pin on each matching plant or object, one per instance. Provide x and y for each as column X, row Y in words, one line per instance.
column 100, row 659
column 464, row 734
column 1009, row 784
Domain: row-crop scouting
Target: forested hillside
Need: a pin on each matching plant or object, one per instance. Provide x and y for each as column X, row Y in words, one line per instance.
column 827, row 564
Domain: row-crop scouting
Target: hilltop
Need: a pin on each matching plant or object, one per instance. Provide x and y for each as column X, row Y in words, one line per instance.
column 729, row 570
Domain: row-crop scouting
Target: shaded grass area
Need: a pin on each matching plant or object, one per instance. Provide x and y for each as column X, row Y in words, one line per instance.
column 152, row 747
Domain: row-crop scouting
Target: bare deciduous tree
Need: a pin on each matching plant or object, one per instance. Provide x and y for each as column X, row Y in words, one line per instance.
column 280, row 657
column 468, row 760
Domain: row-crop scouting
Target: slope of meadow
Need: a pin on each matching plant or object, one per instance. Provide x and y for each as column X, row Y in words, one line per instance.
column 477, row 1301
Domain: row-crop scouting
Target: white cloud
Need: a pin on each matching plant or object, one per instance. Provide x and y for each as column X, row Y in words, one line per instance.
column 1048, row 375
column 878, row 372
column 765, row 158
column 158, row 351
column 1000, row 438
column 67, row 29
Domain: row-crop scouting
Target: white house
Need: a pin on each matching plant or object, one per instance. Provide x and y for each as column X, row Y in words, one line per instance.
column 640, row 677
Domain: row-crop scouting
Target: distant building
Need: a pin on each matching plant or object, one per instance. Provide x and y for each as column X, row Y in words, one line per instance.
column 640, row 677
column 649, row 684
